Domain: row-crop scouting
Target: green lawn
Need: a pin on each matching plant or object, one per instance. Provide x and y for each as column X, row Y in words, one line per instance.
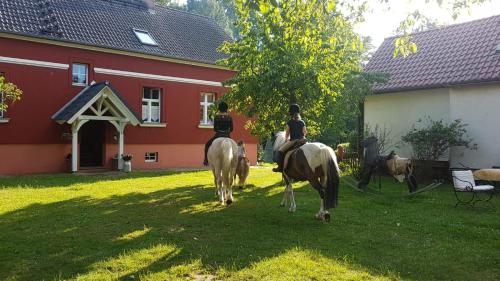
column 167, row 226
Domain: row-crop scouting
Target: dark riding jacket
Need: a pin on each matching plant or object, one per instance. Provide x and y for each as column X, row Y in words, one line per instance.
column 296, row 128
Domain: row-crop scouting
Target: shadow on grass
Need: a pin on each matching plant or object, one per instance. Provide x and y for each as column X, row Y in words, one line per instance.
column 169, row 228
column 64, row 180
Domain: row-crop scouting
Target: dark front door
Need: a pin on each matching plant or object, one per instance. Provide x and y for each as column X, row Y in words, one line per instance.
column 91, row 144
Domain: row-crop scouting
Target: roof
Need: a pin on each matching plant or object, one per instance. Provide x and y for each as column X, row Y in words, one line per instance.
column 84, row 99
column 454, row 55
column 110, row 23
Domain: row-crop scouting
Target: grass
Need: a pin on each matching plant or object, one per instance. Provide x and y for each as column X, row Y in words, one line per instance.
column 167, row 226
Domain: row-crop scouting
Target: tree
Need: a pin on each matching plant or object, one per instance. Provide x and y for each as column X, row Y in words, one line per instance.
column 289, row 52
column 9, row 93
column 220, row 10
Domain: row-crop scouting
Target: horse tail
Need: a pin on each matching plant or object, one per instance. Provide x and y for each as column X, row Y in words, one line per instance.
column 227, row 162
column 332, row 172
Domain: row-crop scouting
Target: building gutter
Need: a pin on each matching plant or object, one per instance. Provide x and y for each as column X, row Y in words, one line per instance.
column 64, row 43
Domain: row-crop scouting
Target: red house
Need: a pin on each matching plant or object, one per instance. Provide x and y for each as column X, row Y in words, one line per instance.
column 106, row 77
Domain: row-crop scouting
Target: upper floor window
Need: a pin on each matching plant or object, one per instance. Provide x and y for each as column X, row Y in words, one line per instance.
column 1, row 99
column 80, row 74
column 151, row 105
column 145, row 37
column 207, row 100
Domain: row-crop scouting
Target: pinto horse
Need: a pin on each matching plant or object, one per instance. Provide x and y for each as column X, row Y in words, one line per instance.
column 316, row 163
column 223, row 159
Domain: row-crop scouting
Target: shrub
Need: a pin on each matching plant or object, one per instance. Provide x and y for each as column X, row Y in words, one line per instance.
column 430, row 139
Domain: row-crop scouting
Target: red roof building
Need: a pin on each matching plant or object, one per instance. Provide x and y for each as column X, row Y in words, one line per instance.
column 455, row 74
column 102, row 78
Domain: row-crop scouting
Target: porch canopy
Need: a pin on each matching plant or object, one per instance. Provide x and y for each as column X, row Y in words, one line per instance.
column 102, row 102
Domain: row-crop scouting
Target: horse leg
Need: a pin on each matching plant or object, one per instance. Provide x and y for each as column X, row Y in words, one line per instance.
column 319, row 187
column 216, row 181
column 229, row 190
column 293, row 206
column 220, row 186
column 284, row 201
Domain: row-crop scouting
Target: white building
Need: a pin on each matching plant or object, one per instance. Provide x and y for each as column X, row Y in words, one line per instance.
column 454, row 75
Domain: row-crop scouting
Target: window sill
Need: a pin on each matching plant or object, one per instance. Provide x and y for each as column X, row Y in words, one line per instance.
column 79, row 85
column 4, row 120
column 154, row 125
column 205, row 126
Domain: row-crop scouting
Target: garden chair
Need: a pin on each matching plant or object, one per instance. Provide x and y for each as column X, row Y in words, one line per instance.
column 464, row 183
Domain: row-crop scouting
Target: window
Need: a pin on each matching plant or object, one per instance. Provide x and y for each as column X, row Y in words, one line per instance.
column 207, row 100
column 145, row 37
column 79, row 74
column 151, row 157
column 151, row 105
column 1, row 101
column 1, row 98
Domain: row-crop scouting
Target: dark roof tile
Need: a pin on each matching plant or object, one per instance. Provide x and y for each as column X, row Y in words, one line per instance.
column 458, row 54
column 110, row 24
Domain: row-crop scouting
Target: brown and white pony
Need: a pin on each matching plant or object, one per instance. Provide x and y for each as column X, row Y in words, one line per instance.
column 316, row 163
column 222, row 159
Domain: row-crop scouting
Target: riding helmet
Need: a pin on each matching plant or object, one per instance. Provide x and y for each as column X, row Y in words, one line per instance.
column 294, row 108
column 222, row 106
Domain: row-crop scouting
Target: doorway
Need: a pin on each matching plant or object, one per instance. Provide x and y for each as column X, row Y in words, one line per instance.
column 92, row 144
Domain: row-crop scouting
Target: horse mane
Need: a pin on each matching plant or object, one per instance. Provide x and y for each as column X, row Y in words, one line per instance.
column 279, row 141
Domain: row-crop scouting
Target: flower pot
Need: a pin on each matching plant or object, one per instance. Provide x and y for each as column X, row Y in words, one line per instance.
column 127, row 166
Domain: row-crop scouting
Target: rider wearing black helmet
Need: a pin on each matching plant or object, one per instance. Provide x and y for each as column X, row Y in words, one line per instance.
column 223, row 126
column 296, row 130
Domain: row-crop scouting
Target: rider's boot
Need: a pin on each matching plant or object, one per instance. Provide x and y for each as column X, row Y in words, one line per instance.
column 280, row 158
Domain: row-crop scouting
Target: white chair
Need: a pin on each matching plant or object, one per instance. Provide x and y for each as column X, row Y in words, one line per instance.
column 463, row 182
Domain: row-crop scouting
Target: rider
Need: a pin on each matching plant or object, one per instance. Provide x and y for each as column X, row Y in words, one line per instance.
column 223, row 126
column 296, row 130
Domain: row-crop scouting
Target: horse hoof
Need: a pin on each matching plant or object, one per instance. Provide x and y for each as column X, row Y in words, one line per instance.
column 318, row 217
column 327, row 217
column 229, row 202
column 291, row 210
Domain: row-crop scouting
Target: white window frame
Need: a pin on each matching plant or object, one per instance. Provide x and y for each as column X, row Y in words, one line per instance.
column 149, row 105
column 80, row 74
column 145, row 37
column 205, row 105
column 1, row 111
column 151, row 157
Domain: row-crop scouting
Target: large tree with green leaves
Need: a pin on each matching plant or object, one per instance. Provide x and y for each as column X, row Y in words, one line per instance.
column 9, row 94
column 289, row 52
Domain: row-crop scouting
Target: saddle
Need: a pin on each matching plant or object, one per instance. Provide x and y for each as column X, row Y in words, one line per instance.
column 292, row 151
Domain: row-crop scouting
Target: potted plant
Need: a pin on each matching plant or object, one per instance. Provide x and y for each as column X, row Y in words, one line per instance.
column 127, row 162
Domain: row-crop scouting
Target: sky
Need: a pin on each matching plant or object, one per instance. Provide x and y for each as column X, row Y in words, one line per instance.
column 382, row 20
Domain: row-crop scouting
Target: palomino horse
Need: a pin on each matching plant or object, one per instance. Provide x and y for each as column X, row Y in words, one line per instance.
column 316, row 163
column 242, row 170
column 223, row 158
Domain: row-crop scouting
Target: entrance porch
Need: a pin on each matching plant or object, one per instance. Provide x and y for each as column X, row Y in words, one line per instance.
column 97, row 102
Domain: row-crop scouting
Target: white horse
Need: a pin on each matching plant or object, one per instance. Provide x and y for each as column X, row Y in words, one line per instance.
column 222, row 159
column 316, row 163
